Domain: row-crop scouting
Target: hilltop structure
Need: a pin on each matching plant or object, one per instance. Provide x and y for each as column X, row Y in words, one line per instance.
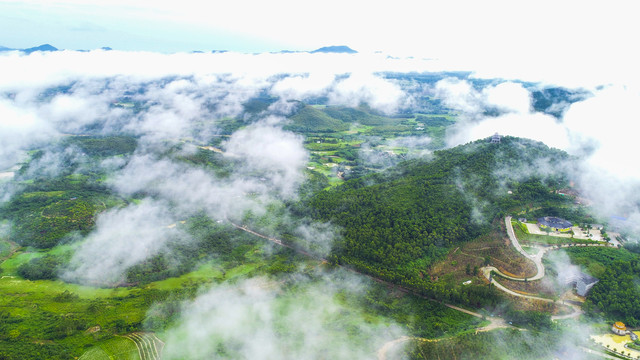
column 495, row 139
column 554, row 223
column 619, row 328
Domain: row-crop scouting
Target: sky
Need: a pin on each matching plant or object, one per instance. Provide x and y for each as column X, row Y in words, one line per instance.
column 451, row 29
column 576, row 44
column 525, row 39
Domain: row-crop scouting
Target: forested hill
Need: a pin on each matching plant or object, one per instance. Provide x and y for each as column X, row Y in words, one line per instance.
column 396, row 223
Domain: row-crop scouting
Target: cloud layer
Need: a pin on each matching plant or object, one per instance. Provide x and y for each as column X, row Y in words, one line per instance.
column 596, row 130
column 260, row 319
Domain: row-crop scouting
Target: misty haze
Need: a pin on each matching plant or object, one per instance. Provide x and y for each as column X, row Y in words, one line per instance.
column 351, row 181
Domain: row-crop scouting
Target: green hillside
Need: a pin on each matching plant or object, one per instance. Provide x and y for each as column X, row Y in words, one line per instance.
column 357, row 115
column 396, row 224
column 310, row 119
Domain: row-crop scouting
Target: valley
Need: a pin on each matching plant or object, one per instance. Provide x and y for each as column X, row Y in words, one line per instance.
column 321, row 230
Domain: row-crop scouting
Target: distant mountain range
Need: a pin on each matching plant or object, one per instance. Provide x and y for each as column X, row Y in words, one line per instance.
column 44, row 47
column 342, row 49
column 339, row 49
column 335, row 49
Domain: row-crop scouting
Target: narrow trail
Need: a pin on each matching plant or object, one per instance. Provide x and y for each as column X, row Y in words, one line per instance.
column 382, row 352
column 14, row 248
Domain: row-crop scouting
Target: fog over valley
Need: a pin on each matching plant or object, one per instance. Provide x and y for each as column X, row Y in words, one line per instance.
column 459, row 189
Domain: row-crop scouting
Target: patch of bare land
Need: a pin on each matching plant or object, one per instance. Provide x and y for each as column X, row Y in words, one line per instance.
column 543, row 287
column 494, row 247
column 527, row 304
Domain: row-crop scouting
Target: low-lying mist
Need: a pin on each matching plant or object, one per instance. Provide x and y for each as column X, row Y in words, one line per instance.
column 175, row 105
column 261, row 318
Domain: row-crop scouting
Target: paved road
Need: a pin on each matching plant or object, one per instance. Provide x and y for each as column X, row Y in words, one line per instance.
column 537, row 258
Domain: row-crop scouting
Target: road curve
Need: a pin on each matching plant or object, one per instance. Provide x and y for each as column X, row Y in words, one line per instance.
column 511, row 292
column 537, row 258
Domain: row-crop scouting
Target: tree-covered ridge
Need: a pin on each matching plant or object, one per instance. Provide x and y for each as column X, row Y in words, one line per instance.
column 331, row 119
column 597, row 260
column 396, row 224
column 617, row 294
column 49, row 210
column 104, row 145
column 361, row 115
column 310, row 119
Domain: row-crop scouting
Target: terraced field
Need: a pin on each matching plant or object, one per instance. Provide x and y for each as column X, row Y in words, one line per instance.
column 148, row 345
column 134, row 346
column 116, row 348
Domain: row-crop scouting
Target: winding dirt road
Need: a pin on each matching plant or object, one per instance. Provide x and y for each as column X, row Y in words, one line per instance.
column 537, row 259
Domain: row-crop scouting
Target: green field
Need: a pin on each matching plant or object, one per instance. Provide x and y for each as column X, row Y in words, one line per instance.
column 25, row 254
column 395, row 226
column 133, row 346
column 328, row 140
column 9, row 267
column 526, row 237
column 115, row 348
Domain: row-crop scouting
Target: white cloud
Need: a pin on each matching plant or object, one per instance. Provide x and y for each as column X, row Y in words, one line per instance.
column 122, row 238
column 534, row 126
column 300, row 87
column 276, row 154
column 606, row 124
column 19, row 126
column 508, row 96
column 259, row 319
column 360, row 88
column 459, row 94
column 602, row 133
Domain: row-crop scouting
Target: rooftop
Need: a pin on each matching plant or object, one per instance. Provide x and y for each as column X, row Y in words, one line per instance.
column 619, row 325
column 554, row 222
